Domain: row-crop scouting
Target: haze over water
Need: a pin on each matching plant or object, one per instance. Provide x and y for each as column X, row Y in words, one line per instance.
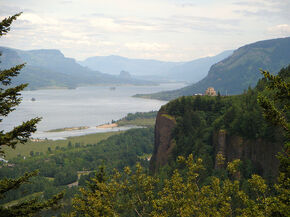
column 84, row 106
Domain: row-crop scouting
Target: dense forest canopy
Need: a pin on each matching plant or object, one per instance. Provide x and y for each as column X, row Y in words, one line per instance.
column 189, row 186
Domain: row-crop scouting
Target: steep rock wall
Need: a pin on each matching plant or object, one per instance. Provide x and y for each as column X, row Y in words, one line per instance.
column 260, row 152
column 163, row 143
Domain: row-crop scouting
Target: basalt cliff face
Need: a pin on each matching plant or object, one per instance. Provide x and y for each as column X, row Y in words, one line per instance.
column 163, row 143
column 261, row 153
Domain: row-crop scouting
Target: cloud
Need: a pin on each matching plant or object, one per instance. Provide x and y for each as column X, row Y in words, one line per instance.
column 280, row 30
column 162, row 29
column 256, row 3
column 119, row 24
column 66, row 2
column 186, row 5
column 266, row 9
column 6, row 10
column 174, row 23
column 194, row 23
column 183, row 3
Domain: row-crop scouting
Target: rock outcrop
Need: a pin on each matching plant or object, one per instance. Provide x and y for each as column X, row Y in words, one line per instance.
column 260, row 152
column 163, row 143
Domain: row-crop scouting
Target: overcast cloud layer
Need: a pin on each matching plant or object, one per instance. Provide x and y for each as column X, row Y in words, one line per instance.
column 173, row 30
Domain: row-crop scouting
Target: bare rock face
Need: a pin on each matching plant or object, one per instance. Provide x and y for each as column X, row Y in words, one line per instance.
column 261, row 153
column 163, row 143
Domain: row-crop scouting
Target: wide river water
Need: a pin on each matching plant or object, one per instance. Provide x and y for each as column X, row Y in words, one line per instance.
column 84, row 106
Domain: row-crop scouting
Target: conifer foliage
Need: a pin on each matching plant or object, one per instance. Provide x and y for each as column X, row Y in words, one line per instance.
column 180, row 193
column 10, row 98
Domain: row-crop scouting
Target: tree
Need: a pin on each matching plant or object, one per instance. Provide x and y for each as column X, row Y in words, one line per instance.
column 136, row 193
column 9, row 100
column 31, row 153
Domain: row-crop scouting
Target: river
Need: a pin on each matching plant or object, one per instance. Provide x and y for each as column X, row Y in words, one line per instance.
column 84, row 106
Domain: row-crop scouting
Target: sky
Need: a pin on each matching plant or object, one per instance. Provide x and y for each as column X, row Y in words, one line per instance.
column 168, row 30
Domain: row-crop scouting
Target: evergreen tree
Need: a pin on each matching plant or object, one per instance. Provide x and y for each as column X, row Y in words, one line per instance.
column 181, row 193
column 9, row 99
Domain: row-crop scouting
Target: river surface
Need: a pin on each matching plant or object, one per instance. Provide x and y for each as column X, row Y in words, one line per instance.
column 84, row 106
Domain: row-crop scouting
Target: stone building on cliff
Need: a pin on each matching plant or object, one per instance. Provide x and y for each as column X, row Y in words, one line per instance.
column 210, row 92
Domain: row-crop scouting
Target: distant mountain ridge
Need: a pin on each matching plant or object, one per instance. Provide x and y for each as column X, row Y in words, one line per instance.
column 199, row 68
column 239, row 71
column 113, row 64
column 48, row 68
column 191, row 71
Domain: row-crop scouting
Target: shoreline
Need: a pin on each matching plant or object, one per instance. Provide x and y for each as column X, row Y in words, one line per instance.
column 67, row 129
column 105, row 126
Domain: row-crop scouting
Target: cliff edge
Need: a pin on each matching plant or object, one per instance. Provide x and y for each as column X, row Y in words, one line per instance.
column 163, row 143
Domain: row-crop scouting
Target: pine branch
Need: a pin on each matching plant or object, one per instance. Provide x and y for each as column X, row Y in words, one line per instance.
column 271, row 113
column 277, row 83
column 7, row 73
column 5, row 24
column 9, row 98
column 9, row 184
column 28, row 208
column 20, row 134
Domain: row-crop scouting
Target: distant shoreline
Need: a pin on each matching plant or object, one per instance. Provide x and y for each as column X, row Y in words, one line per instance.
column 102, row 126
column 67, row 129
column 90, row 85
column 105, row 126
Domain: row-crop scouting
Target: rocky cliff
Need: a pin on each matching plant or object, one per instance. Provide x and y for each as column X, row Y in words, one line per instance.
column 163, row 143
column 260, row 152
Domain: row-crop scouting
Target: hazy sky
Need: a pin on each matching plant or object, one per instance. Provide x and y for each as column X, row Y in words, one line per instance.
column 175, row 30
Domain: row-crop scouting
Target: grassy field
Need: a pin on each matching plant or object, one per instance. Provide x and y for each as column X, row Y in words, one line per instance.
column 42, row 146
column 145, row 122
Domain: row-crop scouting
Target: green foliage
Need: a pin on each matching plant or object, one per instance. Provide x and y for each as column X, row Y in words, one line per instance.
column 140, row 115
column 182, row 193
column 6, row 23
column 236, row 73
column 9, row 99
column 59, row 168
column 146, row 119
column 42, row 146
column 130, row 193
column 272, row 112
column 199, row 118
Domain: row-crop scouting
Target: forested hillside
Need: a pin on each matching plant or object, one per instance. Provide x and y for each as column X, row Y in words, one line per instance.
column 51, row 69
column 199, row 178
column 201, row 122
column 236, row 73
column 62, row 166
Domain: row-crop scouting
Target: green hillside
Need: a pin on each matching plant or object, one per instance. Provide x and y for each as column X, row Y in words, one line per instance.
column 236, row 73
column 51, row 69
